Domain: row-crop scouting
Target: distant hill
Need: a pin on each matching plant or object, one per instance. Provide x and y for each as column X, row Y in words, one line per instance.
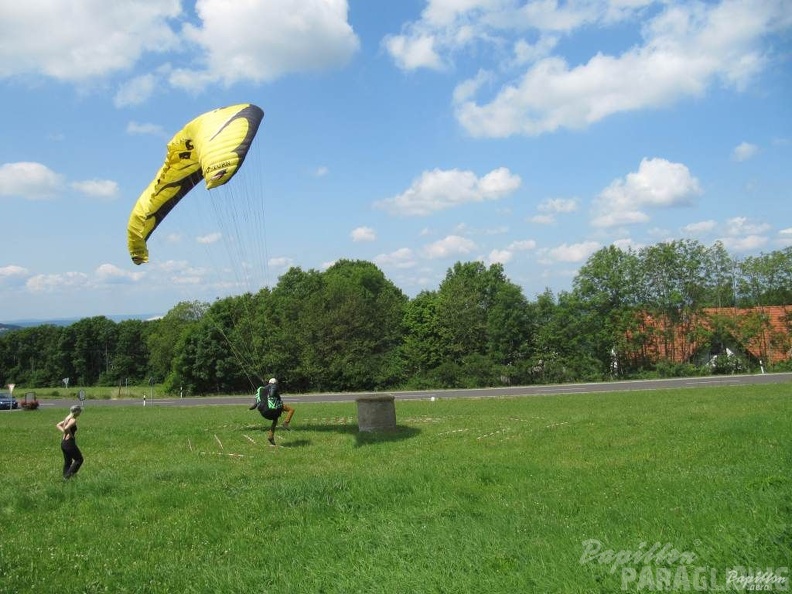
column 27, row 323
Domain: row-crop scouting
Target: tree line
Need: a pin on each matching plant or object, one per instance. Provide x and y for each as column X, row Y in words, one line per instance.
column 349, row 328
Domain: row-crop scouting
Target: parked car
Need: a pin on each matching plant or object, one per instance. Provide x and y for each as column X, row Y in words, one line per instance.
column 7, row 401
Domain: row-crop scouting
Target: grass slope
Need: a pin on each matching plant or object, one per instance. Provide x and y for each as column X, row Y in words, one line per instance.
column 495, row 495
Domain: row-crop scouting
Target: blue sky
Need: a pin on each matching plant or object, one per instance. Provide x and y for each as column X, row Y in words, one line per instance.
column 413, row 134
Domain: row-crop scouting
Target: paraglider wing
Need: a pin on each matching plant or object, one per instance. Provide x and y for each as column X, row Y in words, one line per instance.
column 212, row 147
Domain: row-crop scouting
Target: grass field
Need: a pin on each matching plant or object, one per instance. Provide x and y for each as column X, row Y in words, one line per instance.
column 580, row 494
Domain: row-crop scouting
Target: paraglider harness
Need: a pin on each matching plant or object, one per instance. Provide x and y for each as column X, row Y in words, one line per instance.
column 268, row 402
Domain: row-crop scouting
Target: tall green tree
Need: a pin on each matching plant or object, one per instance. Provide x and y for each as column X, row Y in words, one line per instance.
column 721, row 277
column 508, row 325
column 546, row 343
column 464, row 299
column 563, row 350
column 675, row 283
column 94, row 342
column 130, row 355
column 360, row 314
column 292, row 330
column 607, row 289
column 421, row 349
column 205, row 364
column 766, row 279
column 166, row 337
column 482, row 323
column 32, row 356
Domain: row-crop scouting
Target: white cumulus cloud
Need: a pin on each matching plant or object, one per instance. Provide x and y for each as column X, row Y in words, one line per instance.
column 110, row 273
column 13, row 275
column 97, row 188
column 499, row 256
column 442, row 189
column 69, row 41
column 29, row 180
column 49, row 283
column 262, row 41
column 522, row 245
column 658, row 183
column 684, row 49
column 220, row 43
column 145, row 129
column 744, row 226
column 280, row 262
column 363, row 234
column 558, row 205
column 413, row 51
column 745, row 243
column 744, row 151
column 209, row 238
column 744, row 235
column 700, row 227
column 452, row 245
column 137, row 90
column 575, row 252
column 401, row 258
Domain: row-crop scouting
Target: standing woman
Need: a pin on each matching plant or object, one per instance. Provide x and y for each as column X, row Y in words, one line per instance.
column 72, row 457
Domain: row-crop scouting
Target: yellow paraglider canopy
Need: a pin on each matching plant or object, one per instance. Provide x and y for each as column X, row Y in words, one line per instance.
column 212, row 147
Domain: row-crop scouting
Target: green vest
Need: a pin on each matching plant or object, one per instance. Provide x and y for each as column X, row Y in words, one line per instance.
column 272, row 395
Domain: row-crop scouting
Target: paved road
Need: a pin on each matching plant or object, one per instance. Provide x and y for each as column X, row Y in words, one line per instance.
column 549, row 390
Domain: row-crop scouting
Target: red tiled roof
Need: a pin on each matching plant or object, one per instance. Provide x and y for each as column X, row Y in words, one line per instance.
column 763, row 332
